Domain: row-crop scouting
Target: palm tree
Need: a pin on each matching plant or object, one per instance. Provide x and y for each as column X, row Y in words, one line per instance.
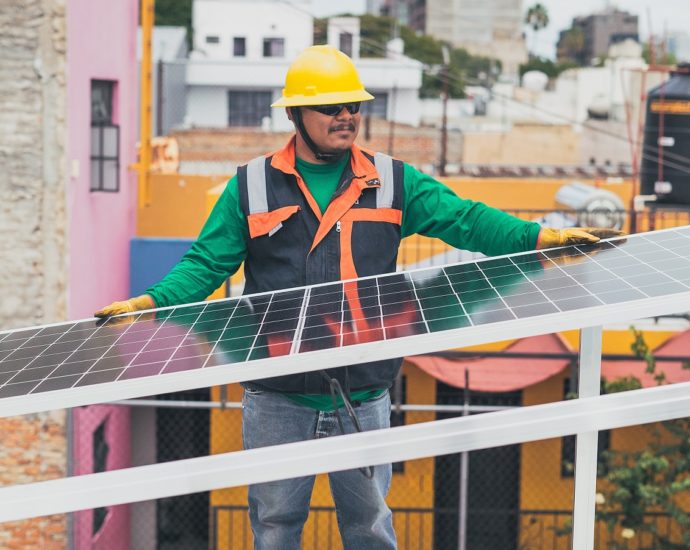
column 537, row 18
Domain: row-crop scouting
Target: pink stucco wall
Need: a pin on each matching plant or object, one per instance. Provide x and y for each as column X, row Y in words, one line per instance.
column 114, row 532
column 101, row 44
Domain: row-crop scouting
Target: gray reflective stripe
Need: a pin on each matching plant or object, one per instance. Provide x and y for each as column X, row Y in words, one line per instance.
column 256, row 186
column 384, row 194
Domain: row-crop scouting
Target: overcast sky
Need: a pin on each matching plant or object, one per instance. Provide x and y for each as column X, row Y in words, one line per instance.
column 670, row 14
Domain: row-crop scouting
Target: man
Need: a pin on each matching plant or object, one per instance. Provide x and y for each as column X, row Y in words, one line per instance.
column 322, row 210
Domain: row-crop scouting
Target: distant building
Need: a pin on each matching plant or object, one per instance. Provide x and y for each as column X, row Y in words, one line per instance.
column 169, row 68
column 678, row 44
column 597, row 32
column 242, row 50
column 491, row 28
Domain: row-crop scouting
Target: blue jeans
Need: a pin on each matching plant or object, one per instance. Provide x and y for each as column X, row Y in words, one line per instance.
column 278, row 509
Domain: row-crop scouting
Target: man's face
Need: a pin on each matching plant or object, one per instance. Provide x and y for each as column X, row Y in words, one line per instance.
column 331, row 133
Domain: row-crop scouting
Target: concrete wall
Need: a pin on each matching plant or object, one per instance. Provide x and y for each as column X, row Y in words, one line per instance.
column 32, row 163
column 32, row 235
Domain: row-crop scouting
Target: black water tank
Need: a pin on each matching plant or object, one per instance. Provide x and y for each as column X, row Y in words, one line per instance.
column 667, row 140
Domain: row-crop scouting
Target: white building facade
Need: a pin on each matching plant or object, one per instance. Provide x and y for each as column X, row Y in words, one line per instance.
column 243, row 48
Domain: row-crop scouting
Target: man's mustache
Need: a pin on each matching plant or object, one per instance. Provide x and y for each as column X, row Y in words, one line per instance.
column 340, row 127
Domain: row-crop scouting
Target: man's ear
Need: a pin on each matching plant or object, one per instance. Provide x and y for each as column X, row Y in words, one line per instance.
column 288, row 112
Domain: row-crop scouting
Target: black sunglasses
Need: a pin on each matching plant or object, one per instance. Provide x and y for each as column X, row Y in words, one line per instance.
column 332, row 110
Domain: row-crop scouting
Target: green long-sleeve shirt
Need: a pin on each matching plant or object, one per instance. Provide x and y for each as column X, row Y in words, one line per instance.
column 430, row 208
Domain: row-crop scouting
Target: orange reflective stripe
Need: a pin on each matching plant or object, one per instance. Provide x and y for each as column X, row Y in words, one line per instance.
column 360, row 330
column 265, row 222
column 284, row 160
column 390, row 215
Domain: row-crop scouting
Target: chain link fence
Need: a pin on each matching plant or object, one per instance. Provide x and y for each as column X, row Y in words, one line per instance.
column 512, row 497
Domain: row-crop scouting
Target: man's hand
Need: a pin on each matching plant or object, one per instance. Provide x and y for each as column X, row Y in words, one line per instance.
column 551, row 238
column 128, row 306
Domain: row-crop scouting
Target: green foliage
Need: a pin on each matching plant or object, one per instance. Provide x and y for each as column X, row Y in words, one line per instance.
column 176, row 13
column 571, row 47
column 548, row 67
column 463, row 67
column 537, row 17
column 660, row 57
column 650, row 480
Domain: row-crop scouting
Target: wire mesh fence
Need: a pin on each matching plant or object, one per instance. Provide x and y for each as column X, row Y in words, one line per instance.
column 512, row 497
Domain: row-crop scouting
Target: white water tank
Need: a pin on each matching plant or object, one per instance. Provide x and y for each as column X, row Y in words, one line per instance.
column 594, row 207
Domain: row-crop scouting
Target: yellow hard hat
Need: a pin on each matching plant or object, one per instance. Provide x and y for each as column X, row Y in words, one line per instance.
column 322, row 75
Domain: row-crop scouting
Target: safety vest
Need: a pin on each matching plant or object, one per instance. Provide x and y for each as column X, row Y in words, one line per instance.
column 291, row 244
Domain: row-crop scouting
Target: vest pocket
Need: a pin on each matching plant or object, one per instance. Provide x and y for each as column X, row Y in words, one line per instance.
column 267, row 223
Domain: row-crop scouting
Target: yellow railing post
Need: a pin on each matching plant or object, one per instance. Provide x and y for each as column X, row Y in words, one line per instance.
column 144, row 164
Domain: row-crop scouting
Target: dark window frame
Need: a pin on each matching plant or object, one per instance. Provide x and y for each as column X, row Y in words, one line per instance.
column 103, row 122
column 100, row 451
column 237, row 41
column 268, row 43
column 346, row 41
column 254, row 105
column 212, row 39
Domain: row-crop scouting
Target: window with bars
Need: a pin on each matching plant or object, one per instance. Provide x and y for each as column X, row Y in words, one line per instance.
column 274, row 47
column 105, row 138
column 248, row 108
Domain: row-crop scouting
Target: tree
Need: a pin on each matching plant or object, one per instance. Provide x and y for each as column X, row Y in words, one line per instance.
column 463, row 67
column 571, row 47
column 650, row 480
column 176, row 13
column 537, row 18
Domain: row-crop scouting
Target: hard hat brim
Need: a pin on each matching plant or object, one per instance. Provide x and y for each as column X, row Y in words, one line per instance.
column 323, row 99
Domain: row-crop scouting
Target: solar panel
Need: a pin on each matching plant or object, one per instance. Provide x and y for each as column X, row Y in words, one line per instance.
column 343, row 323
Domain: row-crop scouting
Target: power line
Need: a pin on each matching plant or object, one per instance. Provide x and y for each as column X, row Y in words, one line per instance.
column 427, row 70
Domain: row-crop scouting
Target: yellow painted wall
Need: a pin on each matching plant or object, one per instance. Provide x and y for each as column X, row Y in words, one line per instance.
column 178, row 205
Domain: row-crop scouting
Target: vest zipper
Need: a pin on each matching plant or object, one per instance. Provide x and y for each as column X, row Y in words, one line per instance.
column 337, row 226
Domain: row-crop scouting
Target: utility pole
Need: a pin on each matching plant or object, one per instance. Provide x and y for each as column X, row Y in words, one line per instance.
column 391, row 125
column 444, row 117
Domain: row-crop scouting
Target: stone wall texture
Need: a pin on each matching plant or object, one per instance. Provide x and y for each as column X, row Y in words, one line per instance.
column 33, row 256
column 32, row 162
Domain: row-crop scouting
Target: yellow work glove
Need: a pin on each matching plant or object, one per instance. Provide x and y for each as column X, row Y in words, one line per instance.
column 551, row 238
column 128, row 306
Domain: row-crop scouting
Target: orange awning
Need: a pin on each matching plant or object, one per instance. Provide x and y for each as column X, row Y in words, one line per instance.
column 503, row 374
column 499, row 374
column 676, row 346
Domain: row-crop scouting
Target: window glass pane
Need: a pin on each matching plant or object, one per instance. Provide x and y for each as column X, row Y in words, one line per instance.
column 110, row 173
column 95, row 175
column 274, row 47
column 378, row 107
column 102, row 101
column 346, row 43
column 95, row 141
column 110, row 141
column 239, row 46
column 248, row 108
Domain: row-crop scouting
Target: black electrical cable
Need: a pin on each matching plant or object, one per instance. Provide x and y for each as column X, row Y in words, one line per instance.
column 336, row 389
